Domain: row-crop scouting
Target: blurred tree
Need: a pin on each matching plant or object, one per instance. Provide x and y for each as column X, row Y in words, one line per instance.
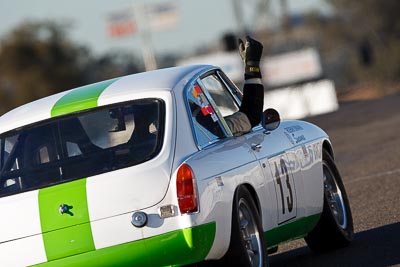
column 168, row 60
column 379, row 16
column 372, row 27
column 37, row 59
column 111, row 65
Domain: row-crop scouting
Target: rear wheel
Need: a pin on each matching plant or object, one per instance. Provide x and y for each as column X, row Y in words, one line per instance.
column 247, row 246
column 335, row 228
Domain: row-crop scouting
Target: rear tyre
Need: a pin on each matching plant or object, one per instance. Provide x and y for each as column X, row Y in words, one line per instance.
column 247, row 246
column 335, row 227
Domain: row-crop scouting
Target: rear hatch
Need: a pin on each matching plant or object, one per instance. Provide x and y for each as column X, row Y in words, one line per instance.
column 58, row 176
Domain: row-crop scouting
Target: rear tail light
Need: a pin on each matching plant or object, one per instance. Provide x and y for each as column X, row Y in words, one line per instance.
column 186, row 190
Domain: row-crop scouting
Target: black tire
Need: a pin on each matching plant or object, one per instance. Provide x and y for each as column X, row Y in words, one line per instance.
column 335, row 227
column 247, row 245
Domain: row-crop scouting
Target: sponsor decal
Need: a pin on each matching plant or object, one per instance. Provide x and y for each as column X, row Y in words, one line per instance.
column 299, row 139
column 206, row 108
column 289, row 132
column 294, row 128
column 214, row 117
column 196, row 91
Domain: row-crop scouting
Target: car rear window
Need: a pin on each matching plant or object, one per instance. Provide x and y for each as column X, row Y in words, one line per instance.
column 80, row 145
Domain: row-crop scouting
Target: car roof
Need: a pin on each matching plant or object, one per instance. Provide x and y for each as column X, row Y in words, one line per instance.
column 90, row 96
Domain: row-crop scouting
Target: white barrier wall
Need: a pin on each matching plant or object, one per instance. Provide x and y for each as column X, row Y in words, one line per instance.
column 304, row 100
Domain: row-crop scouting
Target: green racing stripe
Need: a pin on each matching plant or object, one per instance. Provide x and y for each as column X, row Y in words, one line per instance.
column 68, row 233
column 291, row 231
column 81, row 98
column 175, row 248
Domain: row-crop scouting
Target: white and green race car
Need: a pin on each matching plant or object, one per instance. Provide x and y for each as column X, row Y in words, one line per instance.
column 144, row 171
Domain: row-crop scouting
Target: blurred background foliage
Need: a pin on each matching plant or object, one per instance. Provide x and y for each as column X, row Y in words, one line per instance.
column 38, row 59
column 359, row 44
column 371, row 29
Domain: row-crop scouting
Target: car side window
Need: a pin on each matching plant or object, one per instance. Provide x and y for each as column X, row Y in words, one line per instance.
column 204, row 118
column 221, row 96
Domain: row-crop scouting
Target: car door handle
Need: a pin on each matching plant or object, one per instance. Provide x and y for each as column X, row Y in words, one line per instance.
column 256, row 147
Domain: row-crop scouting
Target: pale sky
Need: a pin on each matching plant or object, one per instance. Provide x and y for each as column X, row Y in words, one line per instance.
column 200, row 21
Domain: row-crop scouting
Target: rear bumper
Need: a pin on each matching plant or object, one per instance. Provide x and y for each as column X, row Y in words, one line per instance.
column 175, row 248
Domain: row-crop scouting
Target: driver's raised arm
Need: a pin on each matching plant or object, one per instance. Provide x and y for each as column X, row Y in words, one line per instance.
column 250, row 111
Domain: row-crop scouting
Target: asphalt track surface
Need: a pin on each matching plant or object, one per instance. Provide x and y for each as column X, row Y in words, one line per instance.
column 366, row 141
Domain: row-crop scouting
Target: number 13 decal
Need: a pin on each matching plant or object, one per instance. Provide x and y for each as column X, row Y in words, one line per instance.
column 286, row 195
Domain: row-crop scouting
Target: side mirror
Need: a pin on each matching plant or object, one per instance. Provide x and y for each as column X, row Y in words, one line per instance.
column 270, row 119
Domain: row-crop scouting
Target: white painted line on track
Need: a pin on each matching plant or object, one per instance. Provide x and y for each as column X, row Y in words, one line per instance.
column 375, row 175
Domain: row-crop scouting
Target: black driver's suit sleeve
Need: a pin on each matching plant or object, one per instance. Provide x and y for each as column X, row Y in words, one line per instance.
column 253, row 101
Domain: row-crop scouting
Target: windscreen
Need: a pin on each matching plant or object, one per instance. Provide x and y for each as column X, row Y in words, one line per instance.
column 80, row 145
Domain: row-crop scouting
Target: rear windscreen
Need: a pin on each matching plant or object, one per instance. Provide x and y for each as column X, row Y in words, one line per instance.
column 80, row 145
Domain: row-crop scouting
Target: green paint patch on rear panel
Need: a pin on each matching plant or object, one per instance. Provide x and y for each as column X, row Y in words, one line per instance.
column 69, row 233
column 68, row 241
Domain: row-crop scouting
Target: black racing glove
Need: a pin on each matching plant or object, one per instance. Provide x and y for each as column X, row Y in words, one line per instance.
column 251, row 52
